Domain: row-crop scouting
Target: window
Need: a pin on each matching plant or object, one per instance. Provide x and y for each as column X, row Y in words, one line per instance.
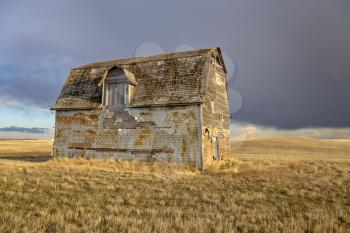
column 212, row 106
column 118, row 85
column 116, row 94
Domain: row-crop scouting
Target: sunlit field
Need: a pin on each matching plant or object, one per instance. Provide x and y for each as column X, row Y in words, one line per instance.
column 269, row 185
column 20, row 148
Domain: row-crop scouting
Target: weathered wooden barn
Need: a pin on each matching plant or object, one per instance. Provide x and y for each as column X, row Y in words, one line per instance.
column 168, row 107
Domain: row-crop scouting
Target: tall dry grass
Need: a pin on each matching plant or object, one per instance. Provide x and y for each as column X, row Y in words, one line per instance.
column 248, row 195
column 280, row 185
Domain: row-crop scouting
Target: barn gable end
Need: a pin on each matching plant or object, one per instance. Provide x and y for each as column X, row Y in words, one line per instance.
column 216, row 115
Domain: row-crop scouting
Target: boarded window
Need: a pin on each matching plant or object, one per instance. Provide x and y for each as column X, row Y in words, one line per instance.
column 212, row 106
column 116, row 94
column 119, row 87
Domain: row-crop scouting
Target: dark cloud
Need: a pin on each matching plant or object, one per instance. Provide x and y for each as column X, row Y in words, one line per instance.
column 24, row 130
column 291, row 57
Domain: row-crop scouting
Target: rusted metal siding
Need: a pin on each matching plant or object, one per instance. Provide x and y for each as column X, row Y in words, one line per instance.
column 216, row 116
column 171, row 134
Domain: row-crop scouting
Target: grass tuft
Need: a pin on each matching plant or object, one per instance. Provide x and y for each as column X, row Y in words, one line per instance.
column 294, row 164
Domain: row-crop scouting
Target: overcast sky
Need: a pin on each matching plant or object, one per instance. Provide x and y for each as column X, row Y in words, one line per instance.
column 289, row 60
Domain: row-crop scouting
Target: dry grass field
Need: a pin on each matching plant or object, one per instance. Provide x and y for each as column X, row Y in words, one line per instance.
column 20, row 148
column 271, row 185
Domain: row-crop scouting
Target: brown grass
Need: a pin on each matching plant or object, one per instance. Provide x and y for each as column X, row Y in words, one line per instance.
column 25, row 147
column 293, row 164
column 249, row 194
column 289, row 147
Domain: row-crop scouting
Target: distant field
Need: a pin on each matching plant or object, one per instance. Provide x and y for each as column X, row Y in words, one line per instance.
column 289, row 147
column 267, row 187
column 25, row 147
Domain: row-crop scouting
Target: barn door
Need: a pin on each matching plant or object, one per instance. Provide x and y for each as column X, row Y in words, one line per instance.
column 216, row 149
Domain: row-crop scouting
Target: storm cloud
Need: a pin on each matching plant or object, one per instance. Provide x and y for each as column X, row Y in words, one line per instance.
column 290, row 59
column 24, row 130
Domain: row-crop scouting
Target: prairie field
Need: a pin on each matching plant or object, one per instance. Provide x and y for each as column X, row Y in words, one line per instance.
column 268, row 185
column 25, row 148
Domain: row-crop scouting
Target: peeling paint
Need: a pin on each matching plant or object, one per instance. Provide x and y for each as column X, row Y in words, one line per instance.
column 153, row 139
column 145, row 132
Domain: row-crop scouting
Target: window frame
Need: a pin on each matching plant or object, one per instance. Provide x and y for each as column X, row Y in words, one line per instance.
column 117, row 76
column 114, row 91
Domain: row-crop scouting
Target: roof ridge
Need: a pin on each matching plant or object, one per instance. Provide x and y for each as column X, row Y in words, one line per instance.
column 142, row 59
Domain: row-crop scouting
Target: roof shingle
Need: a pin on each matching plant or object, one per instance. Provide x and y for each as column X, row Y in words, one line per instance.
column 166, row 79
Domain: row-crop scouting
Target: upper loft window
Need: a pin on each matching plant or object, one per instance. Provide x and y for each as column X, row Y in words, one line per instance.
column 116, row 94
column 118, row 87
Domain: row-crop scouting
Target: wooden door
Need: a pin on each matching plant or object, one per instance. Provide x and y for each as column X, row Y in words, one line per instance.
column 216, row 149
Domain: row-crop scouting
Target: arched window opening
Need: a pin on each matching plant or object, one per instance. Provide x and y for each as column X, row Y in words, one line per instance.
column 118, row 87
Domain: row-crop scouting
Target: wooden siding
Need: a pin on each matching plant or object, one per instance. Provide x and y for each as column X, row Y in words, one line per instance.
column 216, row 115
column 170, row 134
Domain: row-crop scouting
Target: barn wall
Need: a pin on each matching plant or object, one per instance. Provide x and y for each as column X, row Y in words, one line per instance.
column 216, row 115
column 169, row 134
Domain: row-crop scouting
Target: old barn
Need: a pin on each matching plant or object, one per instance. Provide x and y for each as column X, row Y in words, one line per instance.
column 168, row 107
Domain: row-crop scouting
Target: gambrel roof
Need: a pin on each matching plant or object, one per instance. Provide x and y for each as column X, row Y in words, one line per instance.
column 167, row 79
